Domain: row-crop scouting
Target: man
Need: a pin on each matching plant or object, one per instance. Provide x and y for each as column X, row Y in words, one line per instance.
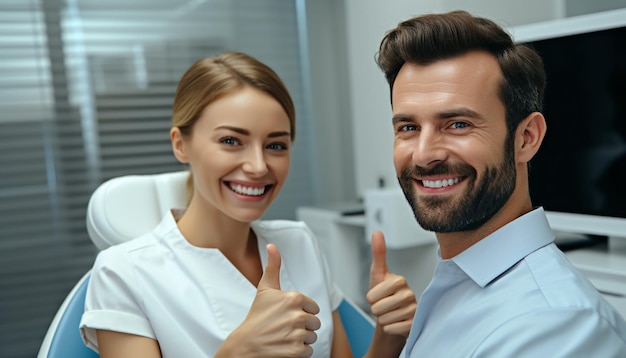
column 466, row 107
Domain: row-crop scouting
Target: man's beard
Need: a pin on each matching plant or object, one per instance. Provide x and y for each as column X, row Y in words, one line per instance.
column 467, row 211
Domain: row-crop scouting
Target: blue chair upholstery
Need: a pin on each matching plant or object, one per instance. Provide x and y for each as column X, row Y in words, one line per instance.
column 358, row 325
column 126, row 207
column 63, row 338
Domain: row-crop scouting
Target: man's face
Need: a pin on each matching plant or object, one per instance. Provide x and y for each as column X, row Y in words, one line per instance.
column 451, row 153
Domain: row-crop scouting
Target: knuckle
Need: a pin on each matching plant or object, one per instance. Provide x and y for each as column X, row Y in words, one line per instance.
column 400, row 281
column 408, row 296
column 308, row 352
column 375, row 309
column 317, row 324
column 293, row 297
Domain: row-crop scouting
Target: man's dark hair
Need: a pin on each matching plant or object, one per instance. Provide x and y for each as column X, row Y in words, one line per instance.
column 429, row 38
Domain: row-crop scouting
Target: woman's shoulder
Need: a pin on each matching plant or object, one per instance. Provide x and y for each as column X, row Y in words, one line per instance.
column 120, row 254
column 142, row 243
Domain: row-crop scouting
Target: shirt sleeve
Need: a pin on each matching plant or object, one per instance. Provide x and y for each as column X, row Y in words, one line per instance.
column 113, row 299
column 555, row 333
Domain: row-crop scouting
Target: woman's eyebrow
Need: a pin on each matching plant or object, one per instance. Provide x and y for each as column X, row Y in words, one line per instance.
column 246, row 132
column 235, row 129
column 279, row 134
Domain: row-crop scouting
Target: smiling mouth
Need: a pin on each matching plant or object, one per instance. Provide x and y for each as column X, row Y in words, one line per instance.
column 248, row 190
column 437, row 184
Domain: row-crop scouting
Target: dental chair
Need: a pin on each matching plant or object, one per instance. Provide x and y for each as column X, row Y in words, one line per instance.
column 126, row 207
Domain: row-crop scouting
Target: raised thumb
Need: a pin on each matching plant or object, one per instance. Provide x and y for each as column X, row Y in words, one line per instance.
column 271, row 275
column 379, row 268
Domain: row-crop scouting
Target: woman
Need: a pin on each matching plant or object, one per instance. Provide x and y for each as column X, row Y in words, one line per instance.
column 195, row 286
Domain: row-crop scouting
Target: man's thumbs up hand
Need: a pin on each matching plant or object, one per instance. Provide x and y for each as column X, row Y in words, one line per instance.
column 393, row 302
column 379, row 269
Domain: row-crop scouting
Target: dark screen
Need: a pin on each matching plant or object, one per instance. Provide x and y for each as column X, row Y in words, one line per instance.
column 581, row 166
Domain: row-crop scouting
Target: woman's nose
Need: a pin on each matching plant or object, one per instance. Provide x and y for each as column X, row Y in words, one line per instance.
column 254, row 162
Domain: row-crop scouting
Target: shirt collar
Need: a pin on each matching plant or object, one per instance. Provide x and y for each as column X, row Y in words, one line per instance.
column 498, row 252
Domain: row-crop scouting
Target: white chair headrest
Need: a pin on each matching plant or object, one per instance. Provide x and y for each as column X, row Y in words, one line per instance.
column 126, row 207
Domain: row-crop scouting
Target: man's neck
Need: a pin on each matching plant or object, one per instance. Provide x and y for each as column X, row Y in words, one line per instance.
column 453, row 243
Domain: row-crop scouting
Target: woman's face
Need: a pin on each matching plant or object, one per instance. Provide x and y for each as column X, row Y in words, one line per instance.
column 239, row 153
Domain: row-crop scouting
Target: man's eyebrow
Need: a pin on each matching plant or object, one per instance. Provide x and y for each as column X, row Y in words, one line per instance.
column 450, row 113
column 400, row 117
column 458, row 112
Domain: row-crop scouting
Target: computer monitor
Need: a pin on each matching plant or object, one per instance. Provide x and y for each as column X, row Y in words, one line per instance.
column 579, row 173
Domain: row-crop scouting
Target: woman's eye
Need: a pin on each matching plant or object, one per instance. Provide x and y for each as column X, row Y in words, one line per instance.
column 229, row 141
column 278, row 146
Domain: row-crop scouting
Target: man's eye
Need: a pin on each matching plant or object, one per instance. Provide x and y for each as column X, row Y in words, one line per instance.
column 459, row 125
column 407, row 128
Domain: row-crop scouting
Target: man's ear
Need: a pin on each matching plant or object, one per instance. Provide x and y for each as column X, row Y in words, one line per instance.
column 529, row 136
column 178, row 145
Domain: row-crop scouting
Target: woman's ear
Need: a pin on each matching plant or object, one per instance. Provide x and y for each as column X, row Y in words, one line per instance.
column 529, row 136
column 178, row 145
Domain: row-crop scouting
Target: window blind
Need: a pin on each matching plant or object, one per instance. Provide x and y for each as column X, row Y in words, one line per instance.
column 86, row 88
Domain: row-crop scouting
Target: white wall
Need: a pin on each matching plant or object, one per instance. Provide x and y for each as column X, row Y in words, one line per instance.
column 332, row 125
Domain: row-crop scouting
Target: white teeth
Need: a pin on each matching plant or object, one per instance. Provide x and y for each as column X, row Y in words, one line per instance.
column 244, row 190
column 440, row 183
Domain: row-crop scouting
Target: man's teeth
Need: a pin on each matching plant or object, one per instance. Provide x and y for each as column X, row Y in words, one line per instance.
column 440, row 183
column 244, row 190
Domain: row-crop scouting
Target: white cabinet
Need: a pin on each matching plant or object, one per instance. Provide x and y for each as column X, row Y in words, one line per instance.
column 388, row 211
column 346, row 246
column 342, row 239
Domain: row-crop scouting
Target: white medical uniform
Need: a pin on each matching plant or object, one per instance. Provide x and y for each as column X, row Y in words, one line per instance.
column 190, row 298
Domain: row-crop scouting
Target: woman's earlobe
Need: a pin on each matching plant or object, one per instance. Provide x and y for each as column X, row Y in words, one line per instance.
column 178, row 145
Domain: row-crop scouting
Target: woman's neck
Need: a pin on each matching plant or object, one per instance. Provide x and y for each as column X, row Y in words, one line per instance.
column 212, row 229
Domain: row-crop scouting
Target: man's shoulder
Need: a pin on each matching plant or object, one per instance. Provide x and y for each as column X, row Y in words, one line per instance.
column 562, row 284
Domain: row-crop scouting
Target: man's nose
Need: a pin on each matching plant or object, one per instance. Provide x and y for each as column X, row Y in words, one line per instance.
column 429, row 148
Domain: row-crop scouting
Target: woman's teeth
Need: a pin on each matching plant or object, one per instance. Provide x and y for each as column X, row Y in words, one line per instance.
column 244, row 190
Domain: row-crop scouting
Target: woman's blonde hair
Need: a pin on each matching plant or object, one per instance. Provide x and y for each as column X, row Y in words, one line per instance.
column 211, row 78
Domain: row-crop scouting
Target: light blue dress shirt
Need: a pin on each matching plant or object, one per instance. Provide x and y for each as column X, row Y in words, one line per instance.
column 514, row 294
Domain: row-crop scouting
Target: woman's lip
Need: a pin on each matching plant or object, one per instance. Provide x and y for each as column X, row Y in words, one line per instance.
column 257, row 192
column 248, row 184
